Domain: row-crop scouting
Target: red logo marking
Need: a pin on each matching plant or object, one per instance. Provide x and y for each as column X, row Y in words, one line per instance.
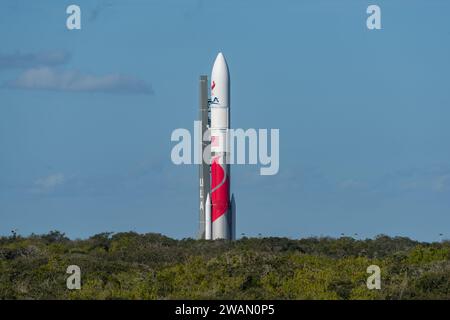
column 213, row 85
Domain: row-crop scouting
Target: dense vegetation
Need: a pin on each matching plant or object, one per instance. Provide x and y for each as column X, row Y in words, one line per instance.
column 152, row 266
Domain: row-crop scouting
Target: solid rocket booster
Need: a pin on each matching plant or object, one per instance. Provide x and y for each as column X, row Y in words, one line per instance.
column 233, row 218
column 208, row 226
column 220, row 168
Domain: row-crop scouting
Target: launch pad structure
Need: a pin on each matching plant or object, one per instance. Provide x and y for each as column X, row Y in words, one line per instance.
column 204, row 169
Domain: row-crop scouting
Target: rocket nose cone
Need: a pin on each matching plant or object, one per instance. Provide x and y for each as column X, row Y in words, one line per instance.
column 220, row 62
column 220, row 56
column 220, row 83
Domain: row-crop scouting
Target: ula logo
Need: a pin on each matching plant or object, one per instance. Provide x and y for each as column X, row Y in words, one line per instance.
column 215, row 101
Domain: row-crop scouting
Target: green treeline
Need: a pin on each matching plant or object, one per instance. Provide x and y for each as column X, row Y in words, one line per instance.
column 152, row 266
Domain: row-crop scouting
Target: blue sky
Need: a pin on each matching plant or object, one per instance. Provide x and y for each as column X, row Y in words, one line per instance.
column 86, row 115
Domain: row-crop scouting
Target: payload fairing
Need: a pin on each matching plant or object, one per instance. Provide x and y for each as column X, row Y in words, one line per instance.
column 217, row 219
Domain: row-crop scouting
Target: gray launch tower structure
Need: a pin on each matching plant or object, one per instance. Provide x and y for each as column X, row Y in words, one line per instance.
column 204, row 167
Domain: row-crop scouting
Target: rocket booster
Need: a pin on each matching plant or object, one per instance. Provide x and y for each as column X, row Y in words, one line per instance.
column 221, row 215
column 208, row 225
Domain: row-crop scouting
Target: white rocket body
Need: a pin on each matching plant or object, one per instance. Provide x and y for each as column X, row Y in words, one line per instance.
column 220, row 169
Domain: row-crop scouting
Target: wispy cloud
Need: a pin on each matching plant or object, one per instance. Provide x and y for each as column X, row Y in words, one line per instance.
column 49, row 183
column 46, row 78
column 426, row 179
column 18, row 60
column 352, row 184
column 442, row 183
column 143, row 178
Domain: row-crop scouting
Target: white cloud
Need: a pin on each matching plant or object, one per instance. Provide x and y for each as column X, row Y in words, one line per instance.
column 442, row 183
column 45, row 78
column 351, row 184
column 20, row 60
column 49, row 182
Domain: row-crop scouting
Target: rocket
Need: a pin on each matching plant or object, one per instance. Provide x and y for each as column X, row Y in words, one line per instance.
column 219, row 221
column 220, row 168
